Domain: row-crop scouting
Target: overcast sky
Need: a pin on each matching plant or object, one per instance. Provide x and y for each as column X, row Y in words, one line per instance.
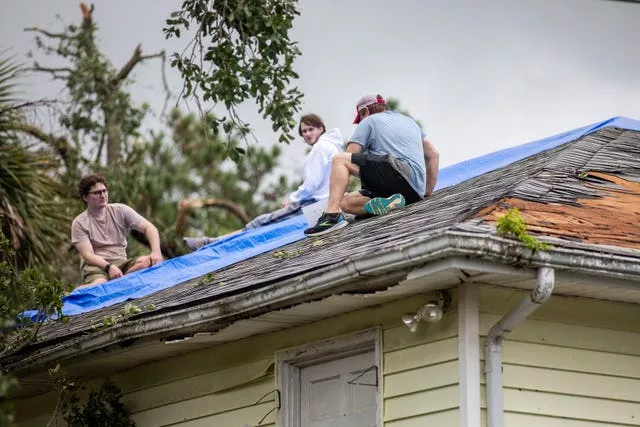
column 480, row 75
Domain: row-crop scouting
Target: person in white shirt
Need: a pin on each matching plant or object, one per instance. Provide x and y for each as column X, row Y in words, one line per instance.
column 315, row 173
column 325, row 144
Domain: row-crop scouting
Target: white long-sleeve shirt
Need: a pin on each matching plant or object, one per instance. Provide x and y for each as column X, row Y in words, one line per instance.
column 317, row 167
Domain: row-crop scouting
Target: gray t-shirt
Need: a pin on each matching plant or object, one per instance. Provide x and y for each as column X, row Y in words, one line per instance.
column 394, row 134
column 108, row 236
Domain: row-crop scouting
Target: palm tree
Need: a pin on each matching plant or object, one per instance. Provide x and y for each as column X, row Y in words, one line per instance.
column 32, row 214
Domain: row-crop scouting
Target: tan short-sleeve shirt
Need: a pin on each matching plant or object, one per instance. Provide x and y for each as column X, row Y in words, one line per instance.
column 108, row 236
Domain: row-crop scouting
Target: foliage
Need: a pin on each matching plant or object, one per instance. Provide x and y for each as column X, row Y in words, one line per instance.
column 31, row 222
column 241, row 50
column 207, row 279
column 513, row 225
column 103, row 408
column 32, row 213
column 154, row 172
column 7, row 383
column 22, row 290
column 195, row 165
column 127, row 311
column 98, row 108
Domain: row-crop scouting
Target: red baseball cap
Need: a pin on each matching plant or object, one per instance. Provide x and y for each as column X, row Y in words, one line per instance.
column 365, row 101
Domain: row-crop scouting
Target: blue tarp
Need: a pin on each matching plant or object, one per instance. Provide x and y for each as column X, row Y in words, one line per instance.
column 468, row 169
column 250, row 243
column 222, row 253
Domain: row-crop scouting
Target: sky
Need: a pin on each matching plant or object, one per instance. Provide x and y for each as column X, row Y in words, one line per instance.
column 480, row 76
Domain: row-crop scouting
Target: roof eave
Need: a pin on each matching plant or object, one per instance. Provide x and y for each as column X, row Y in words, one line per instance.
column 220, row 313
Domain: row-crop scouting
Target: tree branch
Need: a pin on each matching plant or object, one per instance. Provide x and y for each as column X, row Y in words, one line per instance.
column 132, row 62
column 38, row 67
column 126, row 69
column 167, row 91
column 53, row 71
column 58, row 143
column 47, row 33
column 185, row 207
column 155, row 55
column 86, row 11
column 167, row 249
column 38, row 103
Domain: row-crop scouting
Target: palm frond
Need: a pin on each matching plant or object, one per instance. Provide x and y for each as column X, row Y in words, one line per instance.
column 32, row 213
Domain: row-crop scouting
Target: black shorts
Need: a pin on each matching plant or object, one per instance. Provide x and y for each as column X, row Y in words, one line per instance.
column 380, row 179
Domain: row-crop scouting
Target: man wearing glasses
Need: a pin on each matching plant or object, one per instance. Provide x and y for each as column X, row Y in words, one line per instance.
column 100, row 235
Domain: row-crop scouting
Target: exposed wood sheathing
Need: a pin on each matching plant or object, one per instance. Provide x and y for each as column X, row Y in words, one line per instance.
column 612, row 219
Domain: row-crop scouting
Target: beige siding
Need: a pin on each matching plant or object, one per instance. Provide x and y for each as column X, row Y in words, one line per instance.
column 233, row 384
column 436, row 419
column 512, row 419
column 574, row 363
column 421, row 380
column 421, row 373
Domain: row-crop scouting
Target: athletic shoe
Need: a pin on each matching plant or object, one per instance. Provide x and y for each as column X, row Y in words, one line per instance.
column 326, row 224
column 194, row 243
column 381, row 206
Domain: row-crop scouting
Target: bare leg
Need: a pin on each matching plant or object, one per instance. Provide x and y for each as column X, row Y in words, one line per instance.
column 141, row 262
column 353, row 203
column 95, row 282
column 341, row 168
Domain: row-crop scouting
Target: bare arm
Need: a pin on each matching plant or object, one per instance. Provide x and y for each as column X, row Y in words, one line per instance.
column 354, row 148
column 431, row 160
column 151, row 232
column 86, row 252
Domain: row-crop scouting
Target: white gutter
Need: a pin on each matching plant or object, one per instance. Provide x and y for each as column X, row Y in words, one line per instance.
column 331, row 279
column 495, row 338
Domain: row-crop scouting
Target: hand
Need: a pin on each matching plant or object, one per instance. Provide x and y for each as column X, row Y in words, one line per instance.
column 155, row 258
column 114, row 272
column 285, row 203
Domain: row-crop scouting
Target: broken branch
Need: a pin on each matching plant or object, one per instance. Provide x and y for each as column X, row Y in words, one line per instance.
column 132, row 62
column 185, row 207
column 58, row 143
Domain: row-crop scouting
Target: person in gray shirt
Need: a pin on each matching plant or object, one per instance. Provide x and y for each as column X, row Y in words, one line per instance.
column 100, row 235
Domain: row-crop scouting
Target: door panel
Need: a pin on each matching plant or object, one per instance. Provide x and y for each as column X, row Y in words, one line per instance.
column 340, row 393
column 325, row 395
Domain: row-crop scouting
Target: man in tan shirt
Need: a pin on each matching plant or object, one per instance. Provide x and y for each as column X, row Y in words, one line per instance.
column 100, row 235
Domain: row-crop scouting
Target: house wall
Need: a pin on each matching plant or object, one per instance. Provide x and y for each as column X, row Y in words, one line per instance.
column 222, row 385
column 573, row 363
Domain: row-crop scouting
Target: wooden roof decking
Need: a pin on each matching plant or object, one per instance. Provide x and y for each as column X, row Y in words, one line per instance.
column 595, row 176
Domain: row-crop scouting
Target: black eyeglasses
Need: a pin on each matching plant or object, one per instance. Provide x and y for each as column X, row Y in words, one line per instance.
column 99, row 192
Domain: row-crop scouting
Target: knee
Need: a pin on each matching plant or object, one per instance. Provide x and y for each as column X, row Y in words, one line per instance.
column 340, row 159
column 141, row 262
column 346, row 205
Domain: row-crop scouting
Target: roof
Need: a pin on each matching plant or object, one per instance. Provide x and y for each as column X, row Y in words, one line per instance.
column 583, row 193
column 249, row 243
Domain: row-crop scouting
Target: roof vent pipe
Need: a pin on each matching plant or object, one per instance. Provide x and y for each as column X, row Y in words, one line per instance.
column 493, row 344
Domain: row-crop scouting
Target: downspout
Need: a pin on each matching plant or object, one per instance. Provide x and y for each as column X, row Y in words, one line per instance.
column 493, row 344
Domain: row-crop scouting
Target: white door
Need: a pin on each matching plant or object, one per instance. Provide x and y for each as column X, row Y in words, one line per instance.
column 340, row 393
